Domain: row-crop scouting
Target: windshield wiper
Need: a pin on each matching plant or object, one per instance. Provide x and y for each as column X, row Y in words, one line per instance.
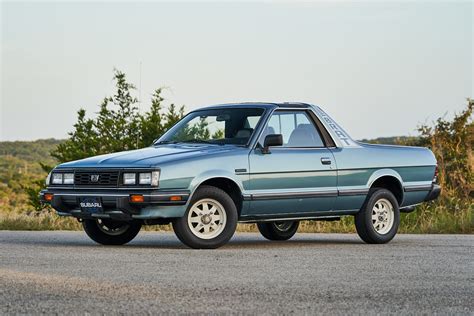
column 192, row 141
column 164, row 142
column 195, row 140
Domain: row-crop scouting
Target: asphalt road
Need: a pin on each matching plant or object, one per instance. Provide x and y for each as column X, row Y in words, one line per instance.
column 66, row 273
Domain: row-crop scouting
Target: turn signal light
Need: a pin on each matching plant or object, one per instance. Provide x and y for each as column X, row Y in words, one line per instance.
column 137, row 198
column 176, row 198
column 48, row 197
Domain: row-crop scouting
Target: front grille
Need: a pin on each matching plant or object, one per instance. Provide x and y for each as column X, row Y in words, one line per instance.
column 106, row 178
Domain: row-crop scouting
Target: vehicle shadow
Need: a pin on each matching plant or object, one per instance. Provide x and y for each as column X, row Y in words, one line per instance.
column 169, row 241
column 263, row 243
column 249, row 242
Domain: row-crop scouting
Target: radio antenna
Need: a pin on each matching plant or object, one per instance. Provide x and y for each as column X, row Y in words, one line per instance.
column 139, row 99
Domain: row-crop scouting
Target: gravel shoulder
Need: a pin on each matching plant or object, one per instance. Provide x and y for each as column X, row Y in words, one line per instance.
column 65, row 272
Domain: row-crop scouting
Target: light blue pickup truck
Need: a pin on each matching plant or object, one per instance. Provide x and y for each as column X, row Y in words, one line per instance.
column 273, row 164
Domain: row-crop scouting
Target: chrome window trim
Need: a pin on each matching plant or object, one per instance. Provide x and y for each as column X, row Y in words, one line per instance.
column 308, row 108
column 261, row 121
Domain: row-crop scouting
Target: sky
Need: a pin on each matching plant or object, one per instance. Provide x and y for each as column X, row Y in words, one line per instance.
column 378, row 68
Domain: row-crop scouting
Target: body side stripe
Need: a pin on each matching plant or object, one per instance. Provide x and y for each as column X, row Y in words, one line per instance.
column 414, row 188
column 304, row 194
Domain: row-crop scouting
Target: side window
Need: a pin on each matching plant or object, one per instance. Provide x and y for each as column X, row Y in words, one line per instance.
column 296, row 128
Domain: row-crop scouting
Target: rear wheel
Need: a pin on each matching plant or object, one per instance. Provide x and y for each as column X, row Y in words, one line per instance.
column 278, row 230
column 378, row 220
column 110, row 232
column 210, row 220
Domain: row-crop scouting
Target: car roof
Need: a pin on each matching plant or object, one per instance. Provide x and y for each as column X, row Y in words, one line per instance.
column 259, row 105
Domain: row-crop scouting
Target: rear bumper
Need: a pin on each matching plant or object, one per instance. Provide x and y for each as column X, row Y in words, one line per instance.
column 116, row 203
column 434, row 192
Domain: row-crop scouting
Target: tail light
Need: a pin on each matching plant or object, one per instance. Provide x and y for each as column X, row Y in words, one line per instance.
column 435, row 177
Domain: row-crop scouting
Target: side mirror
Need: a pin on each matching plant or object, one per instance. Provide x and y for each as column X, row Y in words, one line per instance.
column 272, row 140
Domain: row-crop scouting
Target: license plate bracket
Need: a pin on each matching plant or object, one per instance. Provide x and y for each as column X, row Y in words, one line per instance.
column 91, row 205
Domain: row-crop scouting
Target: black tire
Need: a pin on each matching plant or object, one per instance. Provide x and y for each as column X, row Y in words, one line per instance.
column 183, row 231
column 365, row 224
column 278, row 230
column 120, row 232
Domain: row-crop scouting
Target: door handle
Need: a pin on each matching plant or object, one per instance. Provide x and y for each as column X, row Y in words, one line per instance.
column 326, row 161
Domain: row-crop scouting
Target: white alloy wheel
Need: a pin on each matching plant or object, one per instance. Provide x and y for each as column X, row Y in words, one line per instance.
column 207, row 219
column 382, row 216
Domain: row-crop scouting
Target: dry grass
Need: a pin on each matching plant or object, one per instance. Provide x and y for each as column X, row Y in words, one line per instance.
column 42, row 221
column 453, row 216
column 445, row 217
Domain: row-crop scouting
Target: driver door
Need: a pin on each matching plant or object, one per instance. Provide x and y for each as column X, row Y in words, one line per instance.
column 296, row 178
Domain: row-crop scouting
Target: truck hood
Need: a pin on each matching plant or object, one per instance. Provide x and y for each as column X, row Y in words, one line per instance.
column 148, row 157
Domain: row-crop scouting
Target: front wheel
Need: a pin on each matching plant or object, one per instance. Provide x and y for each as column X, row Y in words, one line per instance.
column 210, row 220
column 378, row 220
column 278, row 230
column 110, row 232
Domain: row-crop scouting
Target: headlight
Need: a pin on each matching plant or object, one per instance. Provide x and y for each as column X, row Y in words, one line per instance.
column 57, row 178
column 129, row 178
column 151, row 178
column 48, row 178
column 145, row 178
column 68, row 178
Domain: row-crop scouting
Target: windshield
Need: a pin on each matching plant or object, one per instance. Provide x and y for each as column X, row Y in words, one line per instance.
column 216, row 126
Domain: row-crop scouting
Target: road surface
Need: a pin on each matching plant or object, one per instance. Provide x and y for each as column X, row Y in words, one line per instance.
column 65, row 272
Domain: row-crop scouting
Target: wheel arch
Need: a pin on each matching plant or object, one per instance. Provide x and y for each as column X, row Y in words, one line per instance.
column 388, row 179
column 225, row 182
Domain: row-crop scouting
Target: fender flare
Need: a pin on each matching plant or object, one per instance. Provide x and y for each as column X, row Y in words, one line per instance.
column 211, row 174
column 384, row 173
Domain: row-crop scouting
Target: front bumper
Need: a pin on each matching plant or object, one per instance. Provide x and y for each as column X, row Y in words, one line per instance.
column 434, row 192
column 116, row 203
